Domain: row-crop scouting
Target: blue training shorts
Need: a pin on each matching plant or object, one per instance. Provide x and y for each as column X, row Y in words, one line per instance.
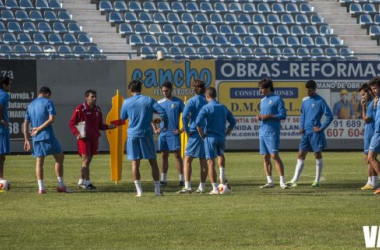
column 46, row 147
column 313, row 142
column 269, row 143
column 367, row 142
column 141, row 148
column 195, row 146
column 4, row 143
column 374, row 146
column 169, row 143
column 214, row 146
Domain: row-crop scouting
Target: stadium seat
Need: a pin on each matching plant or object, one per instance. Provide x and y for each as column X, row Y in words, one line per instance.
column 205, row 53
column 244, row 19
column 84, row 39
column 293, row 41
column 269, row 30
column 95, row 52
column 316, row 19
column 164, row 40
column 11, row 5
column 283, row 30
column 221, row 41
column 321, row 41
column 169, row 29
column 236, row 41
column 59, row 27
column 273, row 19
column 192, row 7
column 28, row 27
column 187, row 18
column 260, row 53
column 303, row 53
column 317, row 54
column 374, row 30
column 275, row 53
column 163, row 7
column 159, row 18
column 120, row 6
column 64, row 16
column 179, row 40
column 176, row 53
column 376, row 19
column 74, row 28
column 126, row 29
column 287, row 19
column 335, row 41
column 218, row 53
column 69, row 39
column 232, row 53
column 250, row 41
column 278, row 41
column 190, row 53
column 173, row 18
column 226, row 30
column 21, row 16
column 26, row 5
column 332, row 54
column 135, row 7
column 35, row 16
column 9, row 38
column 64, row 51
column 206, row 7
column 20, row 51
column 14, row 27
column 55, row 5
column 212, row 30
column 347, row 54
column 235, row 8
column 150, row 40
column 7, row 15
column 311, row 30
column 145, row 18
column 306, row 8
column 254, row 30
column 6, row 51
column 216, row 18
column 105, row 6
column 178, row 7
column 246, row 53
column 183, row 29
column 80, row 52
column 55, row 39
column 356, row 8
column 42, row 5
column 307, row 41
column 263, row 8
column 259, row 19
column 291, row 8
column 249, row 8
column 50, row 16
column 44, row 27
column 115, row 17
column 130, row 18
column 49, row 51
column 301, row 19
column 147, row 52
column 365, row 19
column 325, row 30
column 193, row 40
column 149, row 7
column 221, row 8
column 207, row 40
column 230, row 18
column 3, row 29
column 201, row 18
column 155, row 29
column 289, row 53
column 278, row 8
column 240, row 30
column 24, row 38
column 197, row 29
column 265, row 41
column 36, row 51
column 141, row 29
column 136, row 40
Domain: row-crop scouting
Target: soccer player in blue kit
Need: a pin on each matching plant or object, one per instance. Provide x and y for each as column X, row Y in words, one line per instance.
column 40, row 115
column 312, row 130
column 140, row 144
column 215, row 115
column 4, row 121
column 169, row 140
column 272, row 111
column 195, row 146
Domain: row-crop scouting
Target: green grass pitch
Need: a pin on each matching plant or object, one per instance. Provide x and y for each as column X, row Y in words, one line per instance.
column 329, row 217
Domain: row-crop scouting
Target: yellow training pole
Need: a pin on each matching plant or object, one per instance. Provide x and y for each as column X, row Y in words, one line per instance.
column 184, row 137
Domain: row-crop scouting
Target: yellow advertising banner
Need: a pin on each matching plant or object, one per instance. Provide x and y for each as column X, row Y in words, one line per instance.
column 154, row 73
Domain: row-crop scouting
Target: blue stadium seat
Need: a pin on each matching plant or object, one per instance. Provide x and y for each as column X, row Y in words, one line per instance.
column 7, row 15
column 176, row 53
column 307, row 41
column 20, row 51
column 120, row 6
column 287, row 19
column 246, row 53
column 293, row 41
column 149, row 7
column 64, row 51
column 269, row 30
column 14, row 27
column 289, row 53
column 64, row 16
column 326, row 30
column 26, row 5
column 263, row 8
column 115, row 17
column 69, row 39
column 55, row 5
column 169, row 29
column 216, row 18
column 21, row 16
column 193, row 40
column 164, row 40
column 24, row 38
column 141, row 29
column 135, row 7
column 249, row 8
column 221, row 8
column 302, row 19
column 240, row 30
column 174, row 18
column 49, row 51
column 275, row 53
column 292, row 8
column 197, row 29
column 206, row 7
column 347, row 54
column 260, row 53
column 150, row 40
column 59, row 27
column 283, row 30
column 226, row 30
column 366, row 19
column 11, row 5
column 356, row 8
column 44, row 27
column 159, row 18
column 273, row 19
column 155, row 29
column 145, row 18
column 40, row 39
column 311, row 30
column 212, row 30
column 187, row 18
column 84, row 39
column 235, row 8
column 278, row 41
column 95, row 52
column 250, row 41
column 218, row 53
column 201, row 18
column 126, row 29
column 230, row 18
column 259, row 19
column 130, row 18
column 179, row 40
column 205, row 53
column 232, row 53
column 321, row 41
column 9, row 38
column 80, row 52
column 303, row 53
column 192, row 7
column 278, row 8
column 335, row 41
column 50, row 16
column 55, row 39
column 35, row 16
column 183, row 29
column 306, row 8
column 136, row 40
column 221, row 40
column 28, row 27
column 264, row 41
column 178, row 7
column 332, row 53
column 244, row 19
column 74, row 28
column 42, row 5
column 236, row 41
column 36, row 51
column 254, row 30
column 147, row 52
column 6, row 51
column 207, row 40
column 105, row 6
column 374, row 30
column 317, row 54
column 190, row 53
column 163, row 7
column 316, row 19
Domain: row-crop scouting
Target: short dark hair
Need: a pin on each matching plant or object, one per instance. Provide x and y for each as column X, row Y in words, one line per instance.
column 364, row 87
column 311, row 84
column 200, row 84
column 90, row 91
column 374, row 81
column 168, row 85
column 211, row 91
column 4, row 80
column 135, row 86
column 45, row 90
column 266, row 83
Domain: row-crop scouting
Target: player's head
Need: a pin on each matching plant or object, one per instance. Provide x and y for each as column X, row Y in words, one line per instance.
column 135, row 86
column 45, row 92
column 311, row 87
column 210, row 93
column 90, row 97
column 5, row 83
column 199, row 87
column 266, row 86
column 374, row 84
column 166, row 89
column 365, row 92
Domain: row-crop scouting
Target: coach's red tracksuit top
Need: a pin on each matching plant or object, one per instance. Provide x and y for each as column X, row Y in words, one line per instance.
column 93, row 118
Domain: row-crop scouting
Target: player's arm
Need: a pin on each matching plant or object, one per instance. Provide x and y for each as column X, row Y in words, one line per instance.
column 200, row 121
column 26, row 136
column 367, row 114
column 161, row 111
column 44, row 125
column 231, row 120
column 2, row 120
column 302, row 119
column 74, row 120
column 155, row 129
column 123, row 112
column 186, row 118
column 281, row 110
column 329, row 116
column 102, row 125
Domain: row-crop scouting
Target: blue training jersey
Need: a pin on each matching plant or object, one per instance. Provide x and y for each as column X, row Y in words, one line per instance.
column 312, row 110
column 4, row 102
column 139, row 109
column 216, row 116
column 377, row 118
column 369, row 127
column 191, row 111
column 38, row 113
column 272, row 104
column 173, row 108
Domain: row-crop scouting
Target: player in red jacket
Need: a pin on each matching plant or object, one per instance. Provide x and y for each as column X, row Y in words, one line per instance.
column 85, row 123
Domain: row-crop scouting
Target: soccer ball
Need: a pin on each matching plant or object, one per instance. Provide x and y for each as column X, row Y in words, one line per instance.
column 224, row 188
column 5, row 185
column 156, row 118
